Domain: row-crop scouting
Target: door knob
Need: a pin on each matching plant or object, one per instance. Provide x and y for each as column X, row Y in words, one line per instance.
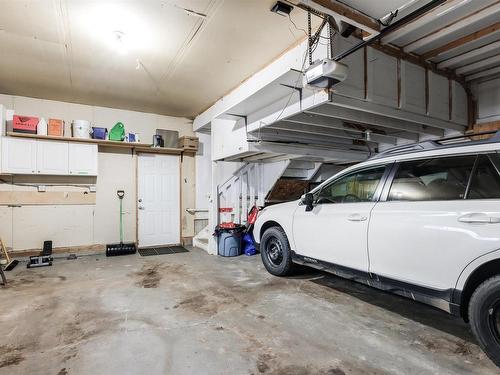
column 140, row 200
column 140, row 208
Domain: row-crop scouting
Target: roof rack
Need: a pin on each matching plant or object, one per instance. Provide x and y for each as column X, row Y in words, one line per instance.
column 440, row 143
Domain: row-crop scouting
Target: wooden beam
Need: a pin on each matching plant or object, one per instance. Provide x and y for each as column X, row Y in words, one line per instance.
column 495, row 46
column 420, row 22
column 35, row 198
column 454, row 27
column 486, row 127
column 484, row 73
column 486, row 63
column 461, row 41
column 345, row 13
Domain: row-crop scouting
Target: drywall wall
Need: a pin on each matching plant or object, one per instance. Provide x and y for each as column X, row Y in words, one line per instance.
column 27, row 227
column 488, row 100
column 203, row 171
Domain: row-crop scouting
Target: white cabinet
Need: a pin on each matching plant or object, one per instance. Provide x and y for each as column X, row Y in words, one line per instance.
column 52, row 157
column 47, row 157
column 82, row 159
column 18, row 155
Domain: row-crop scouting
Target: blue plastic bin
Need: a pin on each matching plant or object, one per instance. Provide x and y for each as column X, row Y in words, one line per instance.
column 99, row 133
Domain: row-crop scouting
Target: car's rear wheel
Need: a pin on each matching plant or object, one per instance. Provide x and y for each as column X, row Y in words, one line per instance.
column 484, row 315
column 275, row 252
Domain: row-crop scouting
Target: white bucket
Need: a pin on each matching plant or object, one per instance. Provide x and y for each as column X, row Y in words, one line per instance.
column 81, row 129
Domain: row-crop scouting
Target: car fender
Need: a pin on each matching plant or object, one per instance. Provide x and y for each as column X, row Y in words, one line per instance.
column 282, row 214
column 474, row 265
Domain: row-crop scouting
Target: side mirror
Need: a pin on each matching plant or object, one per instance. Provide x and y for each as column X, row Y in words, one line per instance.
column 308, row 200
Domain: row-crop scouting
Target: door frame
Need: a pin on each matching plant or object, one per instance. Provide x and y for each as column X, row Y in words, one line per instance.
column 162, row 152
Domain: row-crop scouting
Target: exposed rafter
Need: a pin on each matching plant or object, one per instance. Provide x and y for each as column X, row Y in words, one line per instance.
column 343, row 13
column 458, row 60
column 484, row 73
column 331, row 132
column 453, row 27
column 461, row 41
column 483, row 64
column 410, row 27
column 330, row 122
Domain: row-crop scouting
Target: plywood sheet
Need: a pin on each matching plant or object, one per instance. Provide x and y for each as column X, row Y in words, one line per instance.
column 24, row 198
column 63, row 224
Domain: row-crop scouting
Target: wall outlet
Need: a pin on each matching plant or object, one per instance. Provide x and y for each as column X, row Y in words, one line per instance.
column 42, row 188
column 92, row 189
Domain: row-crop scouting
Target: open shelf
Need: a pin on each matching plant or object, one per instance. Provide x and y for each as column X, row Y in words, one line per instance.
column 101, row 142
column 138, row 147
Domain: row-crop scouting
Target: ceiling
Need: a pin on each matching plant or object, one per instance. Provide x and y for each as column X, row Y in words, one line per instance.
column 167, row 61
column 154, row 56
column 461, row 37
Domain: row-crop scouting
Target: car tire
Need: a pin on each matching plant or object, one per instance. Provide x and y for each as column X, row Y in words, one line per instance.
column 484, row 315
column 275, row 252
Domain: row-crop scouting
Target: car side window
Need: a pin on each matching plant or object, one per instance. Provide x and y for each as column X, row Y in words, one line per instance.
column 485, row 183
column 357, row 186
column 432, row 179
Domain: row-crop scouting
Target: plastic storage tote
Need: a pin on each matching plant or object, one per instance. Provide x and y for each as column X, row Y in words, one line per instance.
column 229, row 241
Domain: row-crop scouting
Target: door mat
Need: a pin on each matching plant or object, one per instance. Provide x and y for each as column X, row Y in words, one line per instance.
column 179, row 249
column 150, row 251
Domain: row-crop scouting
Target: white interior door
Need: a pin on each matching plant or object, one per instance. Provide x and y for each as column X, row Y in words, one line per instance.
column 158, row 200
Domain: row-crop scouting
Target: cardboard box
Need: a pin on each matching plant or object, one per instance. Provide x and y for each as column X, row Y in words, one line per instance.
column 24, row 124
column 188, row 143
column 55, row 127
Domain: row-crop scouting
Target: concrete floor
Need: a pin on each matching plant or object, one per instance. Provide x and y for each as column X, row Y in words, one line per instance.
column 193, row 313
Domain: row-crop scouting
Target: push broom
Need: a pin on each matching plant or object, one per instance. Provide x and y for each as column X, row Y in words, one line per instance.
column 11, row 263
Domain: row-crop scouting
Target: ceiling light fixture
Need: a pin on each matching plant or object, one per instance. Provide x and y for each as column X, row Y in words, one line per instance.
column 120, row 42
column 282, row 9
column 194, row 13
column 191, row 12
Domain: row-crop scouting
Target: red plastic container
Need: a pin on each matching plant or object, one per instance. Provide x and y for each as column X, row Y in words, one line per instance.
column 24, row 124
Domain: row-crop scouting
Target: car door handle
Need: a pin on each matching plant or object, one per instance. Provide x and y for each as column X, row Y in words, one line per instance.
column 356, row 217
column 478, row 218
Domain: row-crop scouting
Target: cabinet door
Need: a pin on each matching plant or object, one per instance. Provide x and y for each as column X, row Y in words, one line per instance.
column 18, row 155
column 52, row 158
column 82, row 159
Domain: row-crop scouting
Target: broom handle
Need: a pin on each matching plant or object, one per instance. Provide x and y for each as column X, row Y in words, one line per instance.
column 121, row 222
column 5, row 251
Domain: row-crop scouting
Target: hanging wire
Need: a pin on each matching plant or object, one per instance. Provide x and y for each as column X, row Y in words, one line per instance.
column 309, row 32
column 331, row 35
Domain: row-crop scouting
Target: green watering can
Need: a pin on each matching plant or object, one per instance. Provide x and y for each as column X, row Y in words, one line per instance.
column 117, row 132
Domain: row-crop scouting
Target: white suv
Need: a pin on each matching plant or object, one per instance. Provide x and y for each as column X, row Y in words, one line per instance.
column 421, row 221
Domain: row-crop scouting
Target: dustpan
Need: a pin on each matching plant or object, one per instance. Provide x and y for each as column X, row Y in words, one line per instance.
column 11, row 263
